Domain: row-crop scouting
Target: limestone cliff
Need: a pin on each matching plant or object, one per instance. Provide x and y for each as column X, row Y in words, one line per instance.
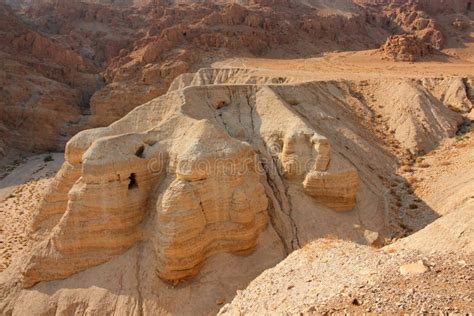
column 193, row 172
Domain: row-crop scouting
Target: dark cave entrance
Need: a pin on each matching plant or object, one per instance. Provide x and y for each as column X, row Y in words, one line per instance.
column 132, row 182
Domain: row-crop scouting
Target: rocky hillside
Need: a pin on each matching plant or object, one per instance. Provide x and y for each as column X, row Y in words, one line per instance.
column 44, row 85
column 253, row 157
column 101, row 59
column 430, row 270
column 228, row 161
column 331, row 276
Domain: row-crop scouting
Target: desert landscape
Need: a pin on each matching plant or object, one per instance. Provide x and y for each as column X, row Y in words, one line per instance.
column 252, row 157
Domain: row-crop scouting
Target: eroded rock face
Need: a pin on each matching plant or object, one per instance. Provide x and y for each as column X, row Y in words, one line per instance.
column 406, row 48
column 107, row 57
column 195, row 177
column 457, row 95
column 425, row 19
column 140, row 47
column 180, row 38
column 204, row 168
column 454, row 92
column 43, row 85
column 228, row 161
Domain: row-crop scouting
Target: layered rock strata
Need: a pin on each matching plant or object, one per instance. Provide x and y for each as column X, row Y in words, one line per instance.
column 194, row 172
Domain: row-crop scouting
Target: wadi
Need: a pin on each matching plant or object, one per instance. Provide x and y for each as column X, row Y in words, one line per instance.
column 252, row 157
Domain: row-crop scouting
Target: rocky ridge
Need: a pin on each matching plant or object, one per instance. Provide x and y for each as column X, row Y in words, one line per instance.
column 232, row 170
column 137, row 49
column 44, row 85
column 315, row 280
column 288, row 153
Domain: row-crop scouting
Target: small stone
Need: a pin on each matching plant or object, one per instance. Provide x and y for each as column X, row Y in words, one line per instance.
column 413, row 268
column 371, row 236
column 356, row 302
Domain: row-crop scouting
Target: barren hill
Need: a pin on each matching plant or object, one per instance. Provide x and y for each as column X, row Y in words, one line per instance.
column 101, row 60
column 252, row 157
column 290, row 152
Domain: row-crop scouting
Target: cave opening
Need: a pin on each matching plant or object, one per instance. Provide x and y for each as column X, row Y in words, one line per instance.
column 139, row 152
column 132, row 182
column 469, row 6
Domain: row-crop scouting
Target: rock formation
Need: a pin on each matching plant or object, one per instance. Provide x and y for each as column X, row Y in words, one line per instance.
column 141, row 49
column 105, row 58
column 394, row 273
column 35, row 101
column 438, row 23
column 184, row 185
column 228, row 161
column 406, row 48
column 146, row 70
column 194, row 178
column 456, row 93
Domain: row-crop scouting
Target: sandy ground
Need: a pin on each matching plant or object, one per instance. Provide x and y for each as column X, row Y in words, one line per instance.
column 357, row 65
column 20, row 192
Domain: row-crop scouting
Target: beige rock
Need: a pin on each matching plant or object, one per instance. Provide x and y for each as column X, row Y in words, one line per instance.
column 195, row 175
column 335, row 187
column 456, row 96
column 192, row 196
column 371, row 237
column 454, row 92
column 188, row 180
column 413, row 268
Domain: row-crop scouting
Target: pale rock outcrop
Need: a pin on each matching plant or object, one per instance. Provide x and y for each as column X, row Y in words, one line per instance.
column 456, row 96
column 306, row 156
column 454, row 92
column 335, row 187
column 184, row 167
column 227, row 162
column 414, row 268
column 193, row 172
